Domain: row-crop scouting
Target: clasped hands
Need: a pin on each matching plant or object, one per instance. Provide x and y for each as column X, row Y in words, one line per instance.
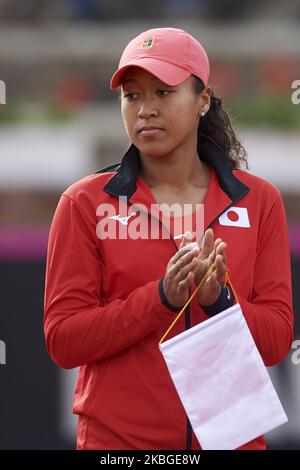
column 190, row 264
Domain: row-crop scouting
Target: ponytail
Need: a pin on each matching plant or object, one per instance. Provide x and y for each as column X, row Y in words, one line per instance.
column 217, row 126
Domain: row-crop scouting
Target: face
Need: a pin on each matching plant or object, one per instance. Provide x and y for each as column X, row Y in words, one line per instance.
column 172, row 111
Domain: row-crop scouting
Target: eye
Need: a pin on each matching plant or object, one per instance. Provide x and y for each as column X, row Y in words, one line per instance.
column 129, row 96
column 161, row 92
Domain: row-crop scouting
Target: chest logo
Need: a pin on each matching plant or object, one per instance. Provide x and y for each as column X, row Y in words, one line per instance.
column 235, row 217
column 122, row 220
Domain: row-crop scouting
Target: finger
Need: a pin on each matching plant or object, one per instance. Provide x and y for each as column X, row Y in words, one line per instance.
column 221, row 268
column 217, row 243
column 183, row 264
column 221, row 247
column 187, row 257
column 220, row 250
column 183, row 272
column 187, row 237
column 208, row 243
column 185, row 283
column 211, row 258
column 213, row 280
column 184, row 250
column 208, row 240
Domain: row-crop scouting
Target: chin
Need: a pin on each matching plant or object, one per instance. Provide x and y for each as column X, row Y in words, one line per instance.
column 153, row 149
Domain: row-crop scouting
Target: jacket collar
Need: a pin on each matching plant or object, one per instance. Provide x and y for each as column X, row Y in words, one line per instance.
column 123, row 183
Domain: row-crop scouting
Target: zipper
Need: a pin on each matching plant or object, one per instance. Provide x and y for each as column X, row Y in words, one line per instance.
column 188, row 445
column 187, row 321
column 187, row 326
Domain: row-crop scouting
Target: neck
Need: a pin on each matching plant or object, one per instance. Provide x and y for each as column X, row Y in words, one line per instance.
column 177, row 171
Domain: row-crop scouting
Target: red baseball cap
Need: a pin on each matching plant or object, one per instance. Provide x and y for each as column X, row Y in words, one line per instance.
column 171, row 54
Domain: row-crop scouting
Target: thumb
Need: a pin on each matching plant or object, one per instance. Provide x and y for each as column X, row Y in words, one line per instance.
column 186, row 239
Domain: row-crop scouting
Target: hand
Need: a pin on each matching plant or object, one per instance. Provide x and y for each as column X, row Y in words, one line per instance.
column 212, row 254
column 179, row 274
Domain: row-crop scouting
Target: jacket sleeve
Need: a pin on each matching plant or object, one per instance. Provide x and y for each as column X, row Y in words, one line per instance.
column 78, row 328
column 269, row 315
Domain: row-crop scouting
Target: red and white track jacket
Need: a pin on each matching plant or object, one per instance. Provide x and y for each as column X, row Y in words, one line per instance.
column 104, row 312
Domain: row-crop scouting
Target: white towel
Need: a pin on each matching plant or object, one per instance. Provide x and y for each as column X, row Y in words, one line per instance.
column 222, row 381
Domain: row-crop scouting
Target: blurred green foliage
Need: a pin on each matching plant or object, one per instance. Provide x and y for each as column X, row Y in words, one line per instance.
column 261, row 111
column 252, row 111
column 16, row 113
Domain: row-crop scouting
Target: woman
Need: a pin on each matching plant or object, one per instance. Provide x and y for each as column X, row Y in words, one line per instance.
column 110, row 295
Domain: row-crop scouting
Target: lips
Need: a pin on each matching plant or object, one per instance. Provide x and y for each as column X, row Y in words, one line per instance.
column 150, row 128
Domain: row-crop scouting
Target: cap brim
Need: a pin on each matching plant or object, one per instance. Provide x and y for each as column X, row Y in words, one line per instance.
column 168, row 73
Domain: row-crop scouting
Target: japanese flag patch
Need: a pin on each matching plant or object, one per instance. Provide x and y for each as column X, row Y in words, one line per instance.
column 235, row 217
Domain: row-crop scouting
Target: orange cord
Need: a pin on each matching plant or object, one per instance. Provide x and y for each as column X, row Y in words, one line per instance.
column 192, row 296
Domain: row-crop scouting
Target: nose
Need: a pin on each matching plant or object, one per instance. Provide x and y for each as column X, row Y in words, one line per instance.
column 147, row 109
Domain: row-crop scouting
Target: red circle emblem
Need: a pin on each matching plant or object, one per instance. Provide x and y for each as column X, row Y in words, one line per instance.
column 233, row 216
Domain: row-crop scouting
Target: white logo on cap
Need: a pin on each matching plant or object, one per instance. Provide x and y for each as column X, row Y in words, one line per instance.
column 235, row 217
column 147, row 42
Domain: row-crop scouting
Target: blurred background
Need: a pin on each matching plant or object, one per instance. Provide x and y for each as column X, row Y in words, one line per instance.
column 59, row 121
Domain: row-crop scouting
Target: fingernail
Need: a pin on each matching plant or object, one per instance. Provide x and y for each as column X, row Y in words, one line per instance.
column 188, row 235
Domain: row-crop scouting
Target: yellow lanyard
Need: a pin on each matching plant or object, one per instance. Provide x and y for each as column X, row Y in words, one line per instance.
column 193, row 294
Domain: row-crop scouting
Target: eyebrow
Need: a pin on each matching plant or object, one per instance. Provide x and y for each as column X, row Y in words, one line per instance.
column 133, row 80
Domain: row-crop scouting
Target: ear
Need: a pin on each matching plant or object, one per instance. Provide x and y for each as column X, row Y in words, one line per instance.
column 204, row 101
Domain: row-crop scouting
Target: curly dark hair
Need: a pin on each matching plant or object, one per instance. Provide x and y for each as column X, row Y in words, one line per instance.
column 217, row 126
